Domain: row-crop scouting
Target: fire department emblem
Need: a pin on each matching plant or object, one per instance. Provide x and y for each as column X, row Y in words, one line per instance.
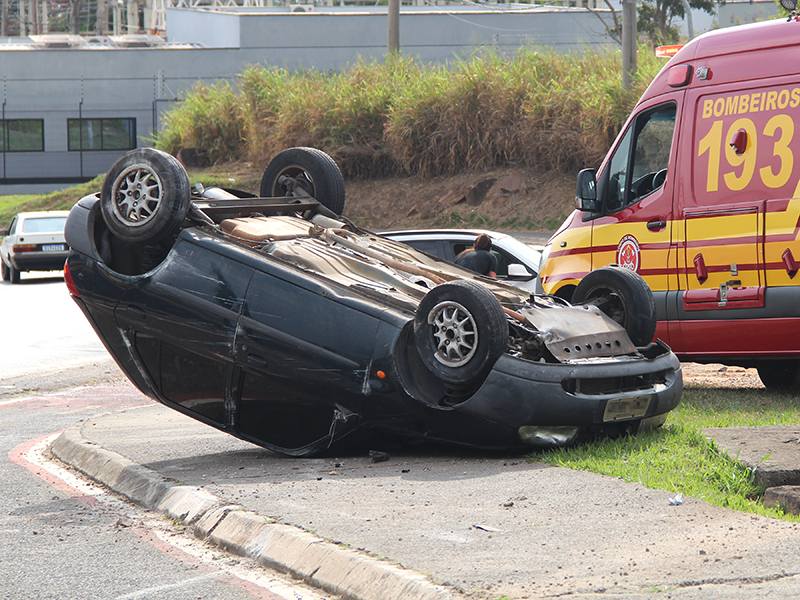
column 628, row 253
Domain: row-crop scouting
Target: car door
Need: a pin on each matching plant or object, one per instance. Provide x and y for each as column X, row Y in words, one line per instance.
column 305, row 351
column 636, row 227
column 181, row 320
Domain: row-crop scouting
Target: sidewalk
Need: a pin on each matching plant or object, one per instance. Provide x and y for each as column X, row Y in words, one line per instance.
column 484, row 527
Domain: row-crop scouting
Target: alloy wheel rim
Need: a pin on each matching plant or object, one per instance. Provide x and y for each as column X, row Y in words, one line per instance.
column 455, row 333
column 138, row 193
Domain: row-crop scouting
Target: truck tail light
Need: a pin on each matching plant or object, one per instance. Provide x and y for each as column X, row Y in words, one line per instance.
column 17, row 248
column 73, row 290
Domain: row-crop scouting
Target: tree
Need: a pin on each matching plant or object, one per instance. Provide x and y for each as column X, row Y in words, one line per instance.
column 656, row 18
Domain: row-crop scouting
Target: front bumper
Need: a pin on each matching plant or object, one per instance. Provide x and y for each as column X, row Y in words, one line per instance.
column 39, row 261
column 544, row 404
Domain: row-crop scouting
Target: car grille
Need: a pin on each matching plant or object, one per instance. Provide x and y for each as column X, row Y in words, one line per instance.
column 613, row 385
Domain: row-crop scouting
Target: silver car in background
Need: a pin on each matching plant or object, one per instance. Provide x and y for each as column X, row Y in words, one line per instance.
column 517, row 262
column 34, row 242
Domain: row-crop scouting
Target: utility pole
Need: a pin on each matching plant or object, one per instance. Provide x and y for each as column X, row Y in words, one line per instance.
column 4, row 17
column 75, row 16
column 101, row 17
column 628, row 42
column 689, row 22
column 394, row 26
column 35, row 17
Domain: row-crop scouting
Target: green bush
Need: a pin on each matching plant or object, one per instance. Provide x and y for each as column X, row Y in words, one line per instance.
column 539, row 109
column 209, row 121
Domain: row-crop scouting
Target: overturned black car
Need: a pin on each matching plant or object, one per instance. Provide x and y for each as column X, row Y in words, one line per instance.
column 274, row 318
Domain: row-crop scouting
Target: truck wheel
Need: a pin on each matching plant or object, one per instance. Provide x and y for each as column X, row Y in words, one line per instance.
column 623, row 296
column 305, row 172
column 780, row 375
column 146, row 196
column 460, row 330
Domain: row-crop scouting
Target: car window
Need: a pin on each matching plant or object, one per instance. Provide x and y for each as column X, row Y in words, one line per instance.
column 432, row 247
column 503, row 260
column 459, row 247
column 13, row 226
column 44, row 225
column 639, row 164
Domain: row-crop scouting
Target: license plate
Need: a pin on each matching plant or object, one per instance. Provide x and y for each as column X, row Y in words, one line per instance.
column 52, row 247
column 623, row 409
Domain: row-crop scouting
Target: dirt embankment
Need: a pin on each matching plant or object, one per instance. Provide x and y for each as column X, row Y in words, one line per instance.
column 509, row 198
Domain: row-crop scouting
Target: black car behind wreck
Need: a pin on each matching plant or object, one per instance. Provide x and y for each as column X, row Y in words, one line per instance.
column 277, row 320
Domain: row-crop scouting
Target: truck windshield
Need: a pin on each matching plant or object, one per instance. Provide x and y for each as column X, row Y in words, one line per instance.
column 639, row 164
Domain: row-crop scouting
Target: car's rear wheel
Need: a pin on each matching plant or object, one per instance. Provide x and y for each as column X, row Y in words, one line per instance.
column 304, row 173
column 460, row 330
column 624, row 297
column 4, row 274
column 780, row 375
column 146, row 196
column 13, row 274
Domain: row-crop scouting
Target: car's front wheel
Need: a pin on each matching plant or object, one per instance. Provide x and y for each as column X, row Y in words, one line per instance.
column 780, row 375
column 624, row 297
column 460, row 330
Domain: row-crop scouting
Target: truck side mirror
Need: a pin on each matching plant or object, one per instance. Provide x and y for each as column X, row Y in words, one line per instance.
column 586, row 192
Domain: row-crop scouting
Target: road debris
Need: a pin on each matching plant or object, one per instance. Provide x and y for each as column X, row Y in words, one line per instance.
column 488, row 528
column 377, row 456
column 676, row 500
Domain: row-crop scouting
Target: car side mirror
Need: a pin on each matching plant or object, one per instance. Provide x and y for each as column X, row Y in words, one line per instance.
column 586, row 191
column 3, row 232
column 518, row 272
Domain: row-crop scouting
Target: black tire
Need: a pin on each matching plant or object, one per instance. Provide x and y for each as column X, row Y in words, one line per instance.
column 4, row 273
column 780, row 375
column 625, row 297
column 13, row 274
column 466, row 363
column 302, row 172
column 132, row 214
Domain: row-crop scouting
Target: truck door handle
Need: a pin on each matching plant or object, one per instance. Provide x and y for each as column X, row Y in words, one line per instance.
column 700, row 268
column 656, row 225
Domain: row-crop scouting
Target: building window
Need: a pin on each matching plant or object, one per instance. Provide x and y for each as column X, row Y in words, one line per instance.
column 22, row 135
column 101, row 134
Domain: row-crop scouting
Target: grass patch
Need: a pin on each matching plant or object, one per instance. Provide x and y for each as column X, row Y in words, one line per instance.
column 57, row 200
column 679, row 458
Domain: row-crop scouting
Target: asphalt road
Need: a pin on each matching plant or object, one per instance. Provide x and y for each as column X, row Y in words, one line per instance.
column 42, row 328
column 61, row 538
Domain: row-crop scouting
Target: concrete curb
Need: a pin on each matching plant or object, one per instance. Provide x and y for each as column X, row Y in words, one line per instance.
column 331, row 567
